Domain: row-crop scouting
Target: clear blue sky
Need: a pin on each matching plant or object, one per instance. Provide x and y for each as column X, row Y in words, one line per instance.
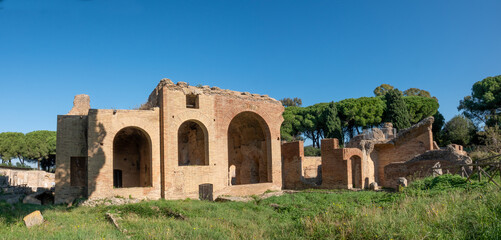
column 116, row 51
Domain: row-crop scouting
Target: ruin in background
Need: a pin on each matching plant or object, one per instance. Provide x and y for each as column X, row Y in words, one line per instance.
column 378, row 157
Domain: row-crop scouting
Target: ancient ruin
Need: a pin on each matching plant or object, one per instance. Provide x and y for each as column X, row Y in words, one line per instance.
column 378, row 157
column 184, row 142
column 203, row 142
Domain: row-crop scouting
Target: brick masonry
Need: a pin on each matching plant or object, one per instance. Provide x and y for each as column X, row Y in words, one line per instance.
column 256, row 133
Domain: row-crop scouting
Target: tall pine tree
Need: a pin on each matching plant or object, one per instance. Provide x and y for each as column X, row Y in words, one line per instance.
column 396, row 110
column 333, row 123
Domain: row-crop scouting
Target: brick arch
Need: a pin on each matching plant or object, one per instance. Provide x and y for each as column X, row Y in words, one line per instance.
column 249, row 148
column 232, row 112
column 132, row 158
column 193, row 143
column 355, row 166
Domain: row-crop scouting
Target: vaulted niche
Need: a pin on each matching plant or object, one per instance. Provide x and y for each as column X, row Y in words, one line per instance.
column 192, row 144
column 131, row 158
column 249, row 149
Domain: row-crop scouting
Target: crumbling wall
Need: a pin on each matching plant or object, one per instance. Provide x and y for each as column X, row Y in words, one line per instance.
column 312, row 170
column 406, row 145
column 421, row 165
column 337, row 164
column 33, row 179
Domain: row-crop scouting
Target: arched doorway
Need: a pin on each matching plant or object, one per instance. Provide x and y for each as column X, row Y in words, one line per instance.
column 249, row 149
column 192, row 144
column 356, row 171
column 131, row 158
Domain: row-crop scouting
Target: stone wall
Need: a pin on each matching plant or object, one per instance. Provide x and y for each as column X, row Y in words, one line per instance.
column 33, row 179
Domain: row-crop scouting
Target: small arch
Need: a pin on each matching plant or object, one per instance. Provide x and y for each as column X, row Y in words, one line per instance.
column 249, row 149
column 356, row 171
column 192, row 142
column 132, row 158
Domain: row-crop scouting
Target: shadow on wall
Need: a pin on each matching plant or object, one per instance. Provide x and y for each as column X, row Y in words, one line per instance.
column 95, row 152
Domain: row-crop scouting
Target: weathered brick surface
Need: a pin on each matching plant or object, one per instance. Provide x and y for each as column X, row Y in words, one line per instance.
column 71, row 142
column 292, row 157
column 256, row 133
column 421, row 166
column 337, row 163
column 408, row 144
column 33, row 179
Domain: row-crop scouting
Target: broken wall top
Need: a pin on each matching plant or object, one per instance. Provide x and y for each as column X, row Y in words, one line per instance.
column 81, row 105
column 153, row 99
column 361, row 141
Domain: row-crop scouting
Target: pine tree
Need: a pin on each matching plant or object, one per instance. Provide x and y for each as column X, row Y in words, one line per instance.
column 396, row 110
column 333, row 123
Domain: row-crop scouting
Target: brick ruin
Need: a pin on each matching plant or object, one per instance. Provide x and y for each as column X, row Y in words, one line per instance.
column 204, row 142
column 378, row 156
column 185, row 139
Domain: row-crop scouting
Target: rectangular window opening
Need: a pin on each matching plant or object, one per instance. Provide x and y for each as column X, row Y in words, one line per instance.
column 78, row 171
column 191, row 101
column 117, row 178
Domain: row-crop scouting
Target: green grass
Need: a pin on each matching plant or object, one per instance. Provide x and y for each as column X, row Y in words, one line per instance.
column 433, row 208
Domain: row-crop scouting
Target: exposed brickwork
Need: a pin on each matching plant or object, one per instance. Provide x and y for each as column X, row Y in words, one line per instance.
column 421, row 166
column 255, row 138
column 371, row 157
column 337, row 164
column 292, row 156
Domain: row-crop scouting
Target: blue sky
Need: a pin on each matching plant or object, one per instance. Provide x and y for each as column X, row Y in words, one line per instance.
column 116, row 51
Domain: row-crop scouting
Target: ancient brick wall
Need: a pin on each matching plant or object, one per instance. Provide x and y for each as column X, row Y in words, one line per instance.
column 215, row 110
column 407, row 144
column 292, row 156
column 312, row 170
column 341, row 167
column 223, row 131
column 71, row 144
column 102, row 131
column 33, row 179
column 421, row 166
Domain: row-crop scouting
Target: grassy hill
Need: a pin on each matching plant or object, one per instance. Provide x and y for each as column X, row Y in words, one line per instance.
column 442, row 207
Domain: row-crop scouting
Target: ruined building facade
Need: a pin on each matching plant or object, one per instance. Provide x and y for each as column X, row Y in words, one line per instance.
column 378, row 157
column 187, row 137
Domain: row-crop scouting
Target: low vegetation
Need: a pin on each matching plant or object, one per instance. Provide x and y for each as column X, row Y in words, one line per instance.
column 443, row 207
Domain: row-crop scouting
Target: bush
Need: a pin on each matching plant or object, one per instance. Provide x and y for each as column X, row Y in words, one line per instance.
column 443, row 182
column 312, row 151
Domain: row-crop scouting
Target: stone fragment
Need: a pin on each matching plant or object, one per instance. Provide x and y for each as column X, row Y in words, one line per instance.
column 166, row 81
column 182, row 84
column 373, row 186
column 401, row 181
column 437, row 171
column 81, row 105
column 215, row 88
column 30, row 199
column 33, row 219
